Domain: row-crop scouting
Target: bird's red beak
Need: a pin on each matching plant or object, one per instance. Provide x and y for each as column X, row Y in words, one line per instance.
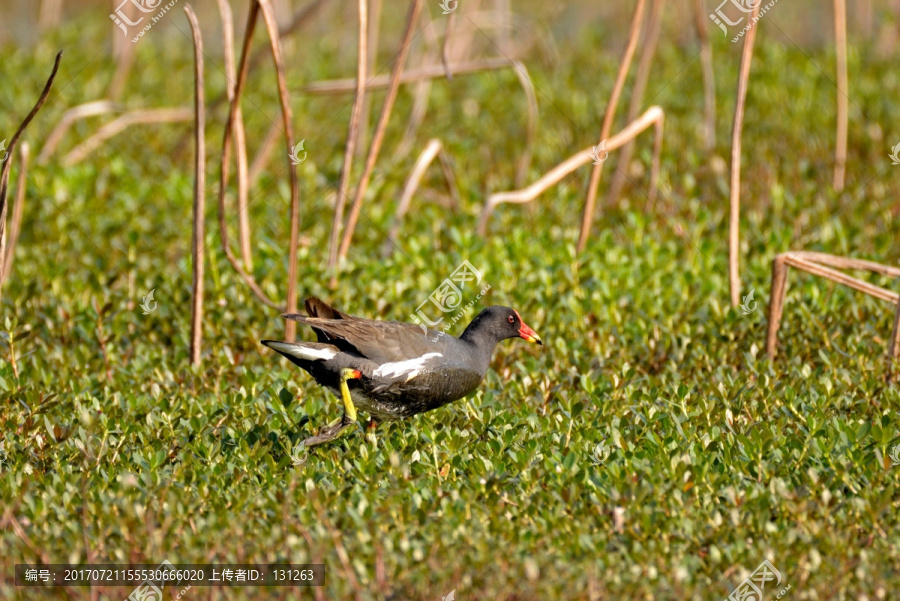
column 527, row 333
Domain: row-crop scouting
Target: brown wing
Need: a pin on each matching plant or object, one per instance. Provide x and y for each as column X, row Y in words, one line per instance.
column 378, row 341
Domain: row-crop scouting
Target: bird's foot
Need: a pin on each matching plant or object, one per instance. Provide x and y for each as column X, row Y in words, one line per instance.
column 331, row 431
column 348, row 420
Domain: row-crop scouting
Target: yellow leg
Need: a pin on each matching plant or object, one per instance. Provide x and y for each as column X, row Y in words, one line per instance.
column 349, row 408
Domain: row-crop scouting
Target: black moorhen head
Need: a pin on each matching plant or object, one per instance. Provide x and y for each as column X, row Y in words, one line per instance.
column 391, row 369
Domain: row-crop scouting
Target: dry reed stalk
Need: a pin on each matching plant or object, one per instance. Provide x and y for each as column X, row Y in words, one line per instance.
column 240, row 138
column 709, row 75
column 345, row 86
column 445, row 47
column 15, row 224
column 374, row 30
column 352, row 134
column 50, row 15
column 734, row 223
column 588, row 214
column 120, row 124
column 641, row 78
column 820, row 264
column 840, row 40
column 434, row 149
column 242, row 70
column 463, row 37
column 652, row 116
column 199, row 190
column 380, row 129
column 4, row 173
column 894, row 349
column 82, row 111
column 290, row 329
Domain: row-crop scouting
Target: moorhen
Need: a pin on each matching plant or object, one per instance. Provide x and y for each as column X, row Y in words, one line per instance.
column 394, row 370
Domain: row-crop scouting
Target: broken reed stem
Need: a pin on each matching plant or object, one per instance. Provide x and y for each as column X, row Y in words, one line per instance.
column 845, row 263
column 709, row 75
column 894, row 349
column 4, row 174
column 82, row 111
column 652, row 116
column 381, row 128
column 840, row 39
column 243, row 68
column 290, row 328
column 776, row 303
column 641, row 77
column 240, row 138
column 345, row 86
column 15, row 225
column 199, row 189
column 432, row 149
column 734, row 227
column 352, row 134
column 810, row 262
column 588, row 214
column 120, row 124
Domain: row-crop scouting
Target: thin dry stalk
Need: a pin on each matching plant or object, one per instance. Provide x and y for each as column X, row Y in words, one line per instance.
column 82, row 111
column 124, row 62
column 243, row 68
column 374, row 29
column 414, row 8
column 345, row 86
column 810, row 262
column 588, row 214
column 352, row 133
column 641, row 77
column 120, row 124
column 734, row 227
column 199, row 189
column 709, row 75
column 287, row 123
column 240, row 138
column 4, row 174
column 15, row 225
column 840, row 39
column 894, row 351
column 433, row 149
column 652, row 116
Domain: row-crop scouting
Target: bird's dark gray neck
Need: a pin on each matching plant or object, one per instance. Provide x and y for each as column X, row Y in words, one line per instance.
column 481, row 342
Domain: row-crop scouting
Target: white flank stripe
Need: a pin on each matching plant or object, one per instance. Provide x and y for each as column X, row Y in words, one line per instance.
column 304, row 352
column 409, row 368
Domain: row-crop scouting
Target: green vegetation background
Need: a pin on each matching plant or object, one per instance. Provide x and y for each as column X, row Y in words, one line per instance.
column 714, row 457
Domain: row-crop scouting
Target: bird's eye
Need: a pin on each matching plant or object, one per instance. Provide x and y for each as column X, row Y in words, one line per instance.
column 511, row 319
